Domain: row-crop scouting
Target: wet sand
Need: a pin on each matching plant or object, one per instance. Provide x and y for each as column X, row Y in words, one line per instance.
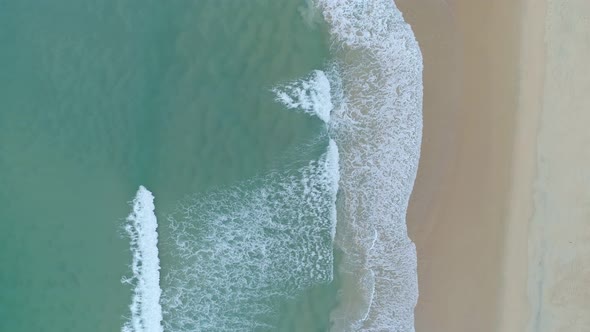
column 460, row 202
column 501, row 208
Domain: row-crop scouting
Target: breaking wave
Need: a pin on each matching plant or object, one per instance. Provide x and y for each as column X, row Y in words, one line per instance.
column 311, row 95
column 237, row 252
column 141, row 226
column 371, row 97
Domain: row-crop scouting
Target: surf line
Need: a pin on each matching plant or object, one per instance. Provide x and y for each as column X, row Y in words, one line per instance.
column 141, row 226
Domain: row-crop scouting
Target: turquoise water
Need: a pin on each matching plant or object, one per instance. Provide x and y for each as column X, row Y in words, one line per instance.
column 211, row 105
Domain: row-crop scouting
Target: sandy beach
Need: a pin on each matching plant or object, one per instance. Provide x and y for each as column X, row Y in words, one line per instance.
column 500, row 212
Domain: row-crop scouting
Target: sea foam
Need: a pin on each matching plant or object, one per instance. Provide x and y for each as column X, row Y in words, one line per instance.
column 141, row 226
column 239, row 250
column 377, row 126
column 311, row 95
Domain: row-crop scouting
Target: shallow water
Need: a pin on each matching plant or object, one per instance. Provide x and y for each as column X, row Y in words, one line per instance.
column 211, row 105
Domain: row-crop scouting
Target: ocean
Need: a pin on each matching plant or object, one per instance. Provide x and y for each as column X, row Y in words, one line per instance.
column 207, row 165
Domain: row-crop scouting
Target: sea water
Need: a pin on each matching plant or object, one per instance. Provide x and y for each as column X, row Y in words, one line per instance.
column 264, row 152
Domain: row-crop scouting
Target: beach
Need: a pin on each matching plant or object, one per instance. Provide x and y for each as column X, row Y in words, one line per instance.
column 247, row 166
column 499, row 211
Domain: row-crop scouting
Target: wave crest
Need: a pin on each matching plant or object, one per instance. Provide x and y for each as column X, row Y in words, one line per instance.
column 311, row 95
column 141, row 226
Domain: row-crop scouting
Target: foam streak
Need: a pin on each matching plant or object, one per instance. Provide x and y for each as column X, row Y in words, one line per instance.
column 141, row 226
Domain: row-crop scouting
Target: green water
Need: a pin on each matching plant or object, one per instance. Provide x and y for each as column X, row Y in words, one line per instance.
column 99, row 97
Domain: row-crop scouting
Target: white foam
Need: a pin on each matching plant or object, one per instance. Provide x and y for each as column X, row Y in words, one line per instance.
column 333, row 174
column 378, row 127
column 311, row 95
column 141, row 226
column 239, row 250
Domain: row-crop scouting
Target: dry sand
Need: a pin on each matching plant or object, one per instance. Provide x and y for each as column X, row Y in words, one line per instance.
column 501, row 208
column 559, row 236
